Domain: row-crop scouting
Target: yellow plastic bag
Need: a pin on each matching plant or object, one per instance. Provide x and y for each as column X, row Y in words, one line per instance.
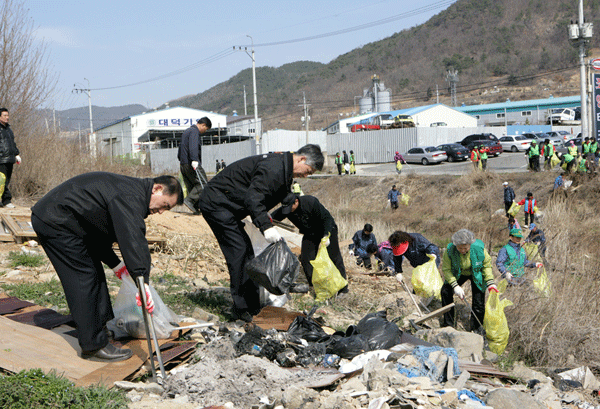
column 426, row 279
column 185, row 192
column 405, row 198
column 352, row 168
column 326, row 278
column 554, row 161
column 532, row 251
column 398, row 165
column 542, row 284
column 514, row 208
column 494, row 321
column 535, row 209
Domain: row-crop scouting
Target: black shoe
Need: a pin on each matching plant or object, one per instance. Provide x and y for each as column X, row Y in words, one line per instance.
column 109, row 353
column 299, row 288
column 241, row 315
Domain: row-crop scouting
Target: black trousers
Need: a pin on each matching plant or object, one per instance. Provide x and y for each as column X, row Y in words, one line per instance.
column 339, row 166
column 394, row 205
column 507, row 206
column 534, row 163
column 478, row 303
column 193, row 185
column 530, row 218
column 237, row 249
column 310, row 247
column 483, row 164
column 78, row 265
column 6, row 169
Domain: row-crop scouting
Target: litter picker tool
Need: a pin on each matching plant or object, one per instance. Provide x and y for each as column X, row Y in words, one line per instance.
column 401, row 281
column 150, row 331
column 203, row 182
column 471, row 311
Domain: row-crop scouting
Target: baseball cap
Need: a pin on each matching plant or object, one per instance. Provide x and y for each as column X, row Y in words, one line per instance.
column 288, row 202
column 532, row 226
column 505, row 184
column 400, row 249
column 516, row 233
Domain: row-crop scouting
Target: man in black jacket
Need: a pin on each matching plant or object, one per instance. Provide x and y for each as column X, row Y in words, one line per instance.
column 9, row 155
column 77, row 223
column 414, row 247
column 251, row 186
column 509, row 196
column 315, row 222
column 190, row 162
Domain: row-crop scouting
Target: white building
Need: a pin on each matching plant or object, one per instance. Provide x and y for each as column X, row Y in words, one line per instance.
column 243, row 125
column 163, row 127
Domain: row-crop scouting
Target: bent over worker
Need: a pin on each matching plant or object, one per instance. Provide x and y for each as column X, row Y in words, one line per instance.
column 77, row 223
column 414, row 247
column 465, row 259
column 315, row 223
column 251, row 187
column 512, row 258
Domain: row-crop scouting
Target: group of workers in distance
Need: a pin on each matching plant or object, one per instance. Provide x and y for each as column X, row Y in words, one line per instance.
column 346, row 165
column 479, row 157
column 583, row 161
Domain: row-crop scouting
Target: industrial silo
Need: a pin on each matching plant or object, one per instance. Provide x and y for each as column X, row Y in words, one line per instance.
column 384, row 98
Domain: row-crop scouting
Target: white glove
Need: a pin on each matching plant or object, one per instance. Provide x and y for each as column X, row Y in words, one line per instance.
column 120, row 270
column 149, row 301
column 539, row 265
column 327, row 242
column 460, row 293
column 351, row 252
column 508, row 277
column 399, row 278
column 194, row 164
column 18, row 159
column 272, row 235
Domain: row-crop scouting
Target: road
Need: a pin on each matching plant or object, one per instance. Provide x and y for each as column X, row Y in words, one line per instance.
column 506, row 162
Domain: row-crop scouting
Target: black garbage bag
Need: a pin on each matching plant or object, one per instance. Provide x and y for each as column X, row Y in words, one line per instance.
column 379, row 332
column 348, row 347
column 307, row 329
column 276, row 268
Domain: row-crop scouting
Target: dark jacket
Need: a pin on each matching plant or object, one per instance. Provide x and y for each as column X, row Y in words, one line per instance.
column 252, row 186
column 509, row 194
column 8, row 147
column 311, row 217
column 393, row 195
column 346, row 158
column 190, row 149
column 103, row 208
column 417, row 252
column 361, row 241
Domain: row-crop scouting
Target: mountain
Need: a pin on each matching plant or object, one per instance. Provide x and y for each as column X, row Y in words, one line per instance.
column 501, row 49
column 74, row 118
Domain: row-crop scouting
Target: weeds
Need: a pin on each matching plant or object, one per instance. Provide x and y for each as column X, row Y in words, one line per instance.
column 18, row 258
column 49, row 293
column 35, row 389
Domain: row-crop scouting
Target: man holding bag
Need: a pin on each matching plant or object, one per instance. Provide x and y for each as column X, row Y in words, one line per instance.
column 315, row 222
column 414, row 247
column 77, row 223
column 466, row 259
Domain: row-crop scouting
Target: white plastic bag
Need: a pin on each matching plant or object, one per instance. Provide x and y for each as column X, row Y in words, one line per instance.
column 129, row 320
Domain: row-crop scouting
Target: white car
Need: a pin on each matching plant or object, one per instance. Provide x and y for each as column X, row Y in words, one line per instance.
column 515, row 143
column 425, row 155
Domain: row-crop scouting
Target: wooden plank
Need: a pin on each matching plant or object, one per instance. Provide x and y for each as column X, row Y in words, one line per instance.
column 435, row 313
column 19, row 226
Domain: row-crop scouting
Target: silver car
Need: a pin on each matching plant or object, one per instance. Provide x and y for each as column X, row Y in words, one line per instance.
column 425, row 155
column 515, row 143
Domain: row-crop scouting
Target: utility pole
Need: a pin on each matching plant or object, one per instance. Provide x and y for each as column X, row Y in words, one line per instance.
column 580, row 34
column 437, row 94
column 245, row 106
column 256, row 132
column 88, row 91
column 305, row 118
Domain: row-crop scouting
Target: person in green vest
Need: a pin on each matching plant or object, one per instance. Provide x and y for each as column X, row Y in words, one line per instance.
column 586, row 146
column 547, row 153
column 483, row 156
column 593, row 145
column 465, row 259
column 338, row 162
column 297, row 189
column 533, row 153
column 512, row 259
column 572, row 149
column 475, row 157
column 581, row 168
column 566, row 161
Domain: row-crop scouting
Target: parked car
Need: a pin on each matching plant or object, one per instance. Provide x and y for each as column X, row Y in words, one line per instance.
column 515, row 143
column 364, row 127
column 403, row 121
column 563, row 148
column 562, row 135
column 425, row 155
column 455, row 152
column 487, row 139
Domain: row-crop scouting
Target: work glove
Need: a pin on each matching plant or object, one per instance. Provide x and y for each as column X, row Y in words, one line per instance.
column 539, row 265
column 120, row 270
column 325, row 241
column 460, row 293
column 272, row 235
column 351, row 252
column 18, row 159
column 493, row 288
column 400, row 278
column 149, row 301
column 194, row 164
column 508, row 277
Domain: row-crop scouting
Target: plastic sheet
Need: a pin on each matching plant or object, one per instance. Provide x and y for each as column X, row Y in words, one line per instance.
column 326, row 278
column 494, row 321
column 426, row 279
column 276, row 268
column 129, row 319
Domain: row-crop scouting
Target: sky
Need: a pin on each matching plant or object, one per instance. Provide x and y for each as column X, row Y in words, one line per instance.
column 149, row 52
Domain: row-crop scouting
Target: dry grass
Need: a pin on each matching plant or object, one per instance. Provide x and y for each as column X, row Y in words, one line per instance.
column 544, row 330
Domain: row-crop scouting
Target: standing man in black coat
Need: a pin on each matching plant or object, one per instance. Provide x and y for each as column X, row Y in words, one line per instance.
column 77, row 223
column 509, row 197
column 346, row 163
column 9, row 155
column 190, row 162
column 251, row 186
column 315, row 222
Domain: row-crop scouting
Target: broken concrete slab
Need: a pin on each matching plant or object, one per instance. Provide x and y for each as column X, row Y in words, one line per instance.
column 465, row 343
column 510, row 399
column 520, row 371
